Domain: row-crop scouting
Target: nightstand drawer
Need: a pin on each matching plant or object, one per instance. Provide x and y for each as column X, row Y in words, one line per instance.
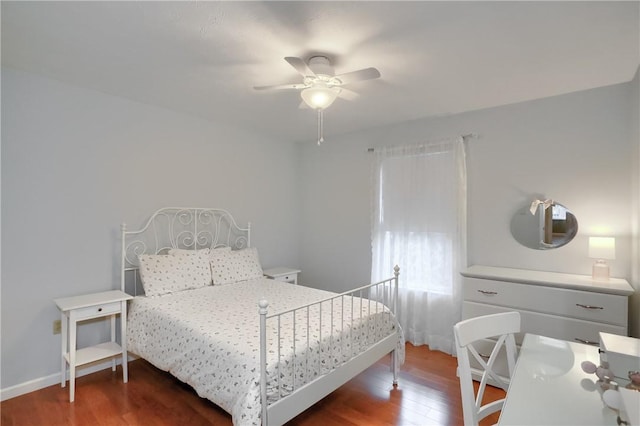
column 287, row 275
column 97, row 310
column 287, row 278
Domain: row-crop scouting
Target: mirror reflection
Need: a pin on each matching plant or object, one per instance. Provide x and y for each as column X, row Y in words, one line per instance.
column 543, row 225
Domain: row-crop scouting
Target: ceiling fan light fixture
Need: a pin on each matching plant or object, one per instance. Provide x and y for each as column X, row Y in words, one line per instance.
column 319, row 97
column 321, row 86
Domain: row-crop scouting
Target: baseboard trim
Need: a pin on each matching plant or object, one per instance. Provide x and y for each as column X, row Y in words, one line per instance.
column 53, row 379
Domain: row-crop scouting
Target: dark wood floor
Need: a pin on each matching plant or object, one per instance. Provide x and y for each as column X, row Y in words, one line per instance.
column 428, row 394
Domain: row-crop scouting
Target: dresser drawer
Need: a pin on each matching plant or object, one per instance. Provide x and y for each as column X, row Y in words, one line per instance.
column 571, row 329
column 590, row 306
column 97, row 310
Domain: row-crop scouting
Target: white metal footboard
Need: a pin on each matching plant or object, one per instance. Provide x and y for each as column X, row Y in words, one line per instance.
column 309, row 351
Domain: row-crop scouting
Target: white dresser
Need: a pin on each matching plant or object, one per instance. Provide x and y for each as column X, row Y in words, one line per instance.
column 563, row 306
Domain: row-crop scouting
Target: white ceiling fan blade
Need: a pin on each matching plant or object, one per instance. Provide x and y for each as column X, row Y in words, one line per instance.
column 300, row 66
column 363, row 74
column 281, row 86
column 347, row 94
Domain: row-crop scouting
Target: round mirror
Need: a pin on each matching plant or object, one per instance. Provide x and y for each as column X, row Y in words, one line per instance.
column 544, row 225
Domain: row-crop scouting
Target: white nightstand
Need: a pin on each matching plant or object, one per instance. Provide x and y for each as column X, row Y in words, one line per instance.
column 288, row 275
column 85, row 307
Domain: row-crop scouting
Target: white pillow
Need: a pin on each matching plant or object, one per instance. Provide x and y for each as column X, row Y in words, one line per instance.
column 219, row 249
column 207, row 251
column 232, row 266
column 177, row 252
column 162, row 274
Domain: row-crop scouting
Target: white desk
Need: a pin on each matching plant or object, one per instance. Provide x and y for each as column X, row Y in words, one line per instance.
column 548, row 386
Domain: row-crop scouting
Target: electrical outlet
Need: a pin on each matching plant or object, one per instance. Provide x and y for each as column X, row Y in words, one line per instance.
column 57, row 326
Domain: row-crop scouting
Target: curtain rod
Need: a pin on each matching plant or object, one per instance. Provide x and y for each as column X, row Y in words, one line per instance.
column 466, row 136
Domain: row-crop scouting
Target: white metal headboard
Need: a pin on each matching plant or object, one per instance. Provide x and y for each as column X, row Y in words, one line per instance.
column 179, row 227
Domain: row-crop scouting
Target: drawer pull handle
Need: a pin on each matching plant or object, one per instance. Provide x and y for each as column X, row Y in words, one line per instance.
column 589, row 306
column 488, row 293
column 587, row 342
column 99, row 309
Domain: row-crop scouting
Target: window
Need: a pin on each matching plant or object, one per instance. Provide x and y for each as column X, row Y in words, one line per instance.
column 419, row 223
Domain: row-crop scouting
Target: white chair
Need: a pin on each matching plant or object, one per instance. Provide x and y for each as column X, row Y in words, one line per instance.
column 467, row 332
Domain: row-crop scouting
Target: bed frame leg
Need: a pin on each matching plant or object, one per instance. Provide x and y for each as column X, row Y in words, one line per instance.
column 394, row 367
column 394, row 354
column 263, row 304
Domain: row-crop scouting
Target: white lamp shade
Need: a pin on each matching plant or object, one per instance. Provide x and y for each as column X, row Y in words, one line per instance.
column 602, row 247
column 319, row 97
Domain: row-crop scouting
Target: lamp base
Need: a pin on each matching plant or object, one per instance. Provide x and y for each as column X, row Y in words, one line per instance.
column 600, row 271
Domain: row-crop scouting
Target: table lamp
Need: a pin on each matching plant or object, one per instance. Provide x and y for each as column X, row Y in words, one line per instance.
column 601, row 248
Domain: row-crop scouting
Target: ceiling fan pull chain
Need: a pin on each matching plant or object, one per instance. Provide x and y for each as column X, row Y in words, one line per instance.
column 320, row 126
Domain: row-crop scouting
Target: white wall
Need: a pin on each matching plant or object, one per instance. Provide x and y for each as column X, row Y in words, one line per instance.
column 76, row 163
column 635, row 211
column 573, row 148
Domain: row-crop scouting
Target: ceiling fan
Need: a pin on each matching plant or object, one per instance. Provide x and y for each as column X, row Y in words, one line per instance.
column 320, row 86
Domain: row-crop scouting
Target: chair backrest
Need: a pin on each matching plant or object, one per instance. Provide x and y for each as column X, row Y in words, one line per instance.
column 502, row 326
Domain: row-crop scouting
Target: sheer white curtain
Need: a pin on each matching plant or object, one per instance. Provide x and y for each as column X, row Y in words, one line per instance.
column 419, row 223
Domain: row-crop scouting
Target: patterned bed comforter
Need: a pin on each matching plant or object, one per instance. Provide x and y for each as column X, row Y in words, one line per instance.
column 210, row 338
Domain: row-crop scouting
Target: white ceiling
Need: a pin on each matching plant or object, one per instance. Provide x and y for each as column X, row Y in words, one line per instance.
column 436, row 58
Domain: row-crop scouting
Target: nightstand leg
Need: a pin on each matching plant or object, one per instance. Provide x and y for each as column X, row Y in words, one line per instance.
column 113, row 339
column 72, row 356
column 64, row 329
column 123, row 345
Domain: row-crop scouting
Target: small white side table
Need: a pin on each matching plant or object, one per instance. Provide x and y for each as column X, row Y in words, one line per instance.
column 288, row 275
column 89, row 306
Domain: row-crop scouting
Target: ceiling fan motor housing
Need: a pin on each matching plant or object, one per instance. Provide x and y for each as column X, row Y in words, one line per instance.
column 321, row 66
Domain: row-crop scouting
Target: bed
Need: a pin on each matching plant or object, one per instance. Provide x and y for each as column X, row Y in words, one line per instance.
column 263, row 350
